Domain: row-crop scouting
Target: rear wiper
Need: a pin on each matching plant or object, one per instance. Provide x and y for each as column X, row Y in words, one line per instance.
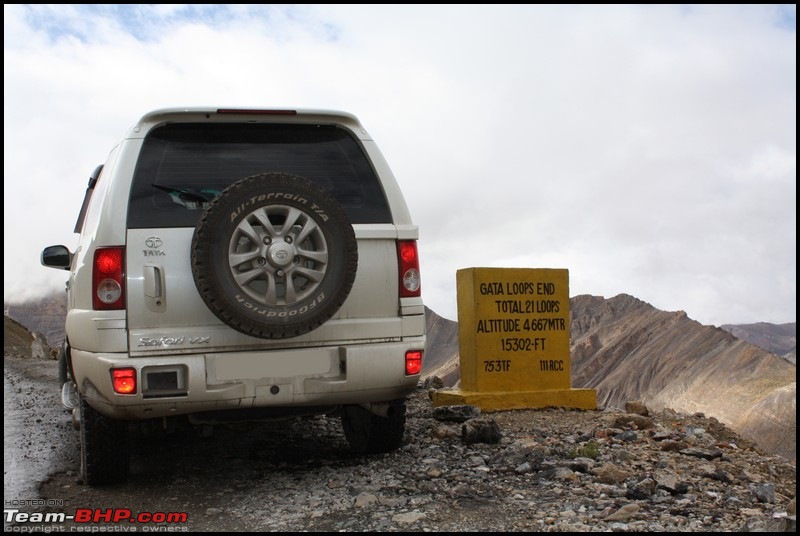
column 182, row 194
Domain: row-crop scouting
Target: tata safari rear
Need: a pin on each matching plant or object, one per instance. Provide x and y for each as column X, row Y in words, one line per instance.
column 240, row 264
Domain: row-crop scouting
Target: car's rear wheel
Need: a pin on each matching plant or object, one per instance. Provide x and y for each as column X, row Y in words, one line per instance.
column 368, row 433
column 105, row 454
column 274, row 256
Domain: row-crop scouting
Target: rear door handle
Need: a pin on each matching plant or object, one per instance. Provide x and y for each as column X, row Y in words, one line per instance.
column 154, row 288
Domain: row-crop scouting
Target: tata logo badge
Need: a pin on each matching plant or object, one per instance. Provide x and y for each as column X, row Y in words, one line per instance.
column 153, row 244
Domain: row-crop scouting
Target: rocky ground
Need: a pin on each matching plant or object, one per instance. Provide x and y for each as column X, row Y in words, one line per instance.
column 550, row 470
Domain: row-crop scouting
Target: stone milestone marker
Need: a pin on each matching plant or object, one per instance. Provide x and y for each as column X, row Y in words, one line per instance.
column 513, row 332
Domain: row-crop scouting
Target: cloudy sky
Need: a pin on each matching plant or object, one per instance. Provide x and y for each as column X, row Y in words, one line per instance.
column 649, row 150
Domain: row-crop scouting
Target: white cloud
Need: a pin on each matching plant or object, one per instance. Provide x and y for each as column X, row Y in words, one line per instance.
column 649, row 150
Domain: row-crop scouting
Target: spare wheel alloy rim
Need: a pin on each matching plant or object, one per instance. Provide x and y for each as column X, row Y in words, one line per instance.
column 278, row 255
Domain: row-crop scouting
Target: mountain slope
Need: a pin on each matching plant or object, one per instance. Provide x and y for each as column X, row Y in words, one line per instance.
column 625, row 348
column 17, row 340
column 628, row 350
column 441, row 352
column 772, row 423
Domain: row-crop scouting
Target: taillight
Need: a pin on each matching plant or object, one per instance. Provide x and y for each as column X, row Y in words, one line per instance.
column 413, row 362
column 108, row 279
column 124, row 380
column 408, row 260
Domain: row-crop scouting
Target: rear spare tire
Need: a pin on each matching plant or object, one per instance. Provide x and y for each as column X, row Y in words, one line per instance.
column 274, row 256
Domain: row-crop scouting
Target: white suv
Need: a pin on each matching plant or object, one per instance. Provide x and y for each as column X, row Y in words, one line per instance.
column 240, row 264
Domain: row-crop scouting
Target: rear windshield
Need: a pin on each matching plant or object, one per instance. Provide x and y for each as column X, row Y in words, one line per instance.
column 183, row 166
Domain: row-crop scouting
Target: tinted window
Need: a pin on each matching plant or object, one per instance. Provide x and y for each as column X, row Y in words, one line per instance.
column 184, row 166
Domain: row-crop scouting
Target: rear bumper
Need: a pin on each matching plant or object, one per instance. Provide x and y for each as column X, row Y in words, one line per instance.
column 185, row 384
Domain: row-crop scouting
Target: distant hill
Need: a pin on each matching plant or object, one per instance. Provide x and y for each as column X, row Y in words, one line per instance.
column 780, row 339
column 19, row 342
column 45, row 315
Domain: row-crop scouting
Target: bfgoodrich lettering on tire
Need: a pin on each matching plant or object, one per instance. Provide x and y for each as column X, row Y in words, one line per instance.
column 274, row 256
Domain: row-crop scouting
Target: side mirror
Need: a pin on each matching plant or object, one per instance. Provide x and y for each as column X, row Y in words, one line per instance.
column 56, row 257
